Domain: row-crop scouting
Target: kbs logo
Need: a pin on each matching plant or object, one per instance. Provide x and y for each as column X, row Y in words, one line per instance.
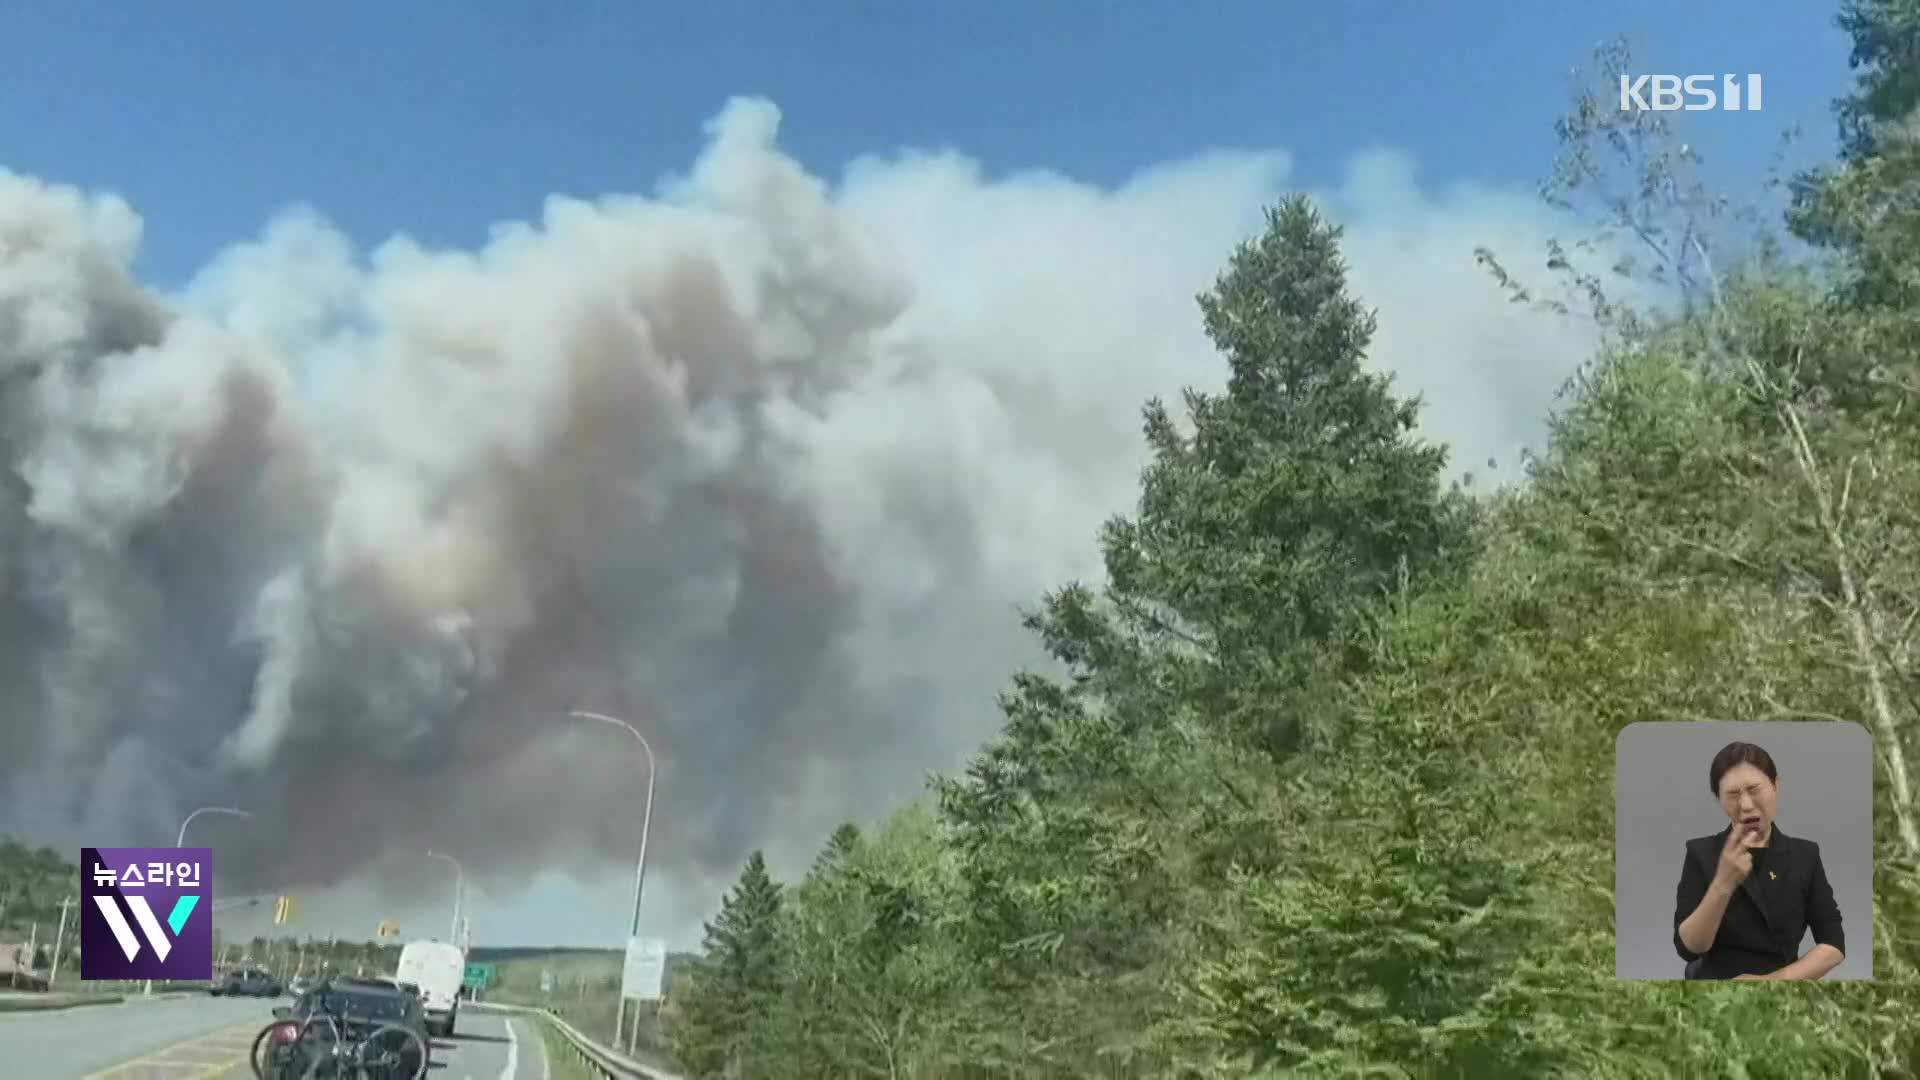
column 1693, row 93
column 125, row 892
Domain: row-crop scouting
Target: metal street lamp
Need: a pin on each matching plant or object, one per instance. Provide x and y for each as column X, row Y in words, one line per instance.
column 181, row 841
column 640, row 871
column 459, row 889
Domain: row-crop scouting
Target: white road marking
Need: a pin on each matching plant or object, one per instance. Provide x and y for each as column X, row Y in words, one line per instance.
column 513, row 1053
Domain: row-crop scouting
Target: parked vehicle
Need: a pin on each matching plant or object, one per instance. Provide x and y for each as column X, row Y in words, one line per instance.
column 438, row 969
column 247, row 982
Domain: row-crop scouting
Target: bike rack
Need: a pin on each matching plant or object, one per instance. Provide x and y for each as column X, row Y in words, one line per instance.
column 313, row 1070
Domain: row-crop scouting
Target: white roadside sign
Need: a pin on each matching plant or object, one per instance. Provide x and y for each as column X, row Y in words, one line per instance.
column 645, row 970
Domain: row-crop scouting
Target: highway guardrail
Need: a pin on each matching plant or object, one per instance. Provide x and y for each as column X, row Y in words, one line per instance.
column 603, row 1060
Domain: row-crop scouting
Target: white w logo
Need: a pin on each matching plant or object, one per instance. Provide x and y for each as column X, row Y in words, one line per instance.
column 149, row 925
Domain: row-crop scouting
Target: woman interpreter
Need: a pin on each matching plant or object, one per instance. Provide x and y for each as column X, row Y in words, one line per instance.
column 1750, row 893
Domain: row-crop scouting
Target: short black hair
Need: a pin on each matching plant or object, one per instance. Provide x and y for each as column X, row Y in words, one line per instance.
column 1739, row 753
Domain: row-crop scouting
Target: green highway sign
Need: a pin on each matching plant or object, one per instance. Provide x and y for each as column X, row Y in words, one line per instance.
column 479, row 976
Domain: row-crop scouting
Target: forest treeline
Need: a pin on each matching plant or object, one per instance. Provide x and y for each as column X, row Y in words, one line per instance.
column 1314, row 789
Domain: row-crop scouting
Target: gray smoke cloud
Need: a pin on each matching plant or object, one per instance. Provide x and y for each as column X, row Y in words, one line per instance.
column 761, row 465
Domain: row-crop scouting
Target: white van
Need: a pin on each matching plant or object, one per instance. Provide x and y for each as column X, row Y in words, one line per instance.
column 438, row 969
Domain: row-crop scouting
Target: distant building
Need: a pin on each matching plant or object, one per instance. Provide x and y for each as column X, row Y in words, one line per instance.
column 17, row 967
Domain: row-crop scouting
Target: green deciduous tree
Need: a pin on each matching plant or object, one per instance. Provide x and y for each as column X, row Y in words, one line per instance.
column 1771, row 434
column 876, row 986
column 1742, row 470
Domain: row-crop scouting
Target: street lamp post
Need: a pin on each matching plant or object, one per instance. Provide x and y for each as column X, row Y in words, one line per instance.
column 640, row 870
column 459, row 890
column 181, row 841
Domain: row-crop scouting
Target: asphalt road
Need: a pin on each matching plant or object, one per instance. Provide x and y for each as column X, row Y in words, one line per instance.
column 489, row 1045
column 74, row 1043
column 207, row 1038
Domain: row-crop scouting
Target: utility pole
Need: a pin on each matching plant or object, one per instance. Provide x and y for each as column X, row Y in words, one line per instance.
column 59, row 938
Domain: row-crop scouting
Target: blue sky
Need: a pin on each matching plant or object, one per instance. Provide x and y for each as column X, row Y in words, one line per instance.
column 952, row 488
column 438, row 118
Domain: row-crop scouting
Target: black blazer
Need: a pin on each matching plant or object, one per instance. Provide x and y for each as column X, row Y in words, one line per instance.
column 1760, row 932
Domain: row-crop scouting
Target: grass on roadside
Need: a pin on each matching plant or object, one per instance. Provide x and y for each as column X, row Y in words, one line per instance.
column 585, row 988
column 562, row 1065
column 47, row 1002
column 585, row 993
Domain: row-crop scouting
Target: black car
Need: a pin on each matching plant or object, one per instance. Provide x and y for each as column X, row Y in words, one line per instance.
column 348, row 1027
column 248, row 982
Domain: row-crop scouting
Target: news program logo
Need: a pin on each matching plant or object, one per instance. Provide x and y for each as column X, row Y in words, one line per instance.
column 146, row 913
column 1690, row 93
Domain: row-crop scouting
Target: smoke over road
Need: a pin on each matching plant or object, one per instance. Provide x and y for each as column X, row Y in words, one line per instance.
column 761, row 466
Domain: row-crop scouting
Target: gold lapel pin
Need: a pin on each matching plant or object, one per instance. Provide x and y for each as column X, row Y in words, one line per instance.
column 1773, row 876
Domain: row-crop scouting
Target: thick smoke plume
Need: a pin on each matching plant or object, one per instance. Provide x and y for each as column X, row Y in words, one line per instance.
column 763, row 467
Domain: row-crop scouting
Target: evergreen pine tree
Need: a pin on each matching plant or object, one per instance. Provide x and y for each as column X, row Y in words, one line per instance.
column 737, row 978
